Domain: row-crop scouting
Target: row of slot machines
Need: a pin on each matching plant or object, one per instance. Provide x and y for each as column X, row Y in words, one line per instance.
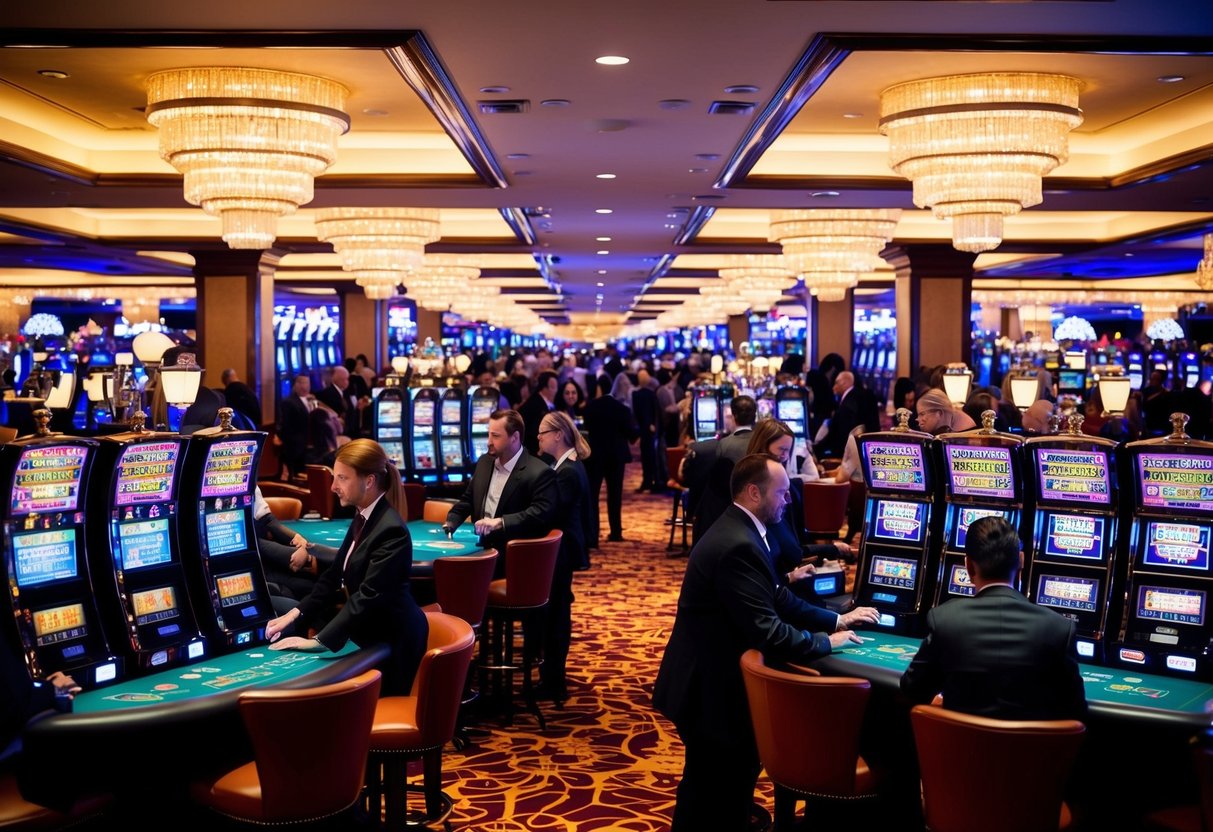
column 1138, row 364
column 304, row 347
column 709, row 403
column 1130, row 565
column 874, row 362
column 130, row 552
column 435, row 433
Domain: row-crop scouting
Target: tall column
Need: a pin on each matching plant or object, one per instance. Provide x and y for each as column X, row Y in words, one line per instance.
column 739, row 330
column 236, row 319
column 832, row 328
column 934, row 305
column 429, row 325
column 363, row 323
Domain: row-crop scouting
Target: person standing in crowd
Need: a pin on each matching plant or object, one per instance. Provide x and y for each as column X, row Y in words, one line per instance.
column 571, row 400
column 324, row 437
column 648, row 422
column 292, row 430
column 731, row 602
column 821, row 381
column 708, row 484
column 610, row 430
column 364, row 595
column 847, row 414
column 338, row 396
column 240, row 397
column 560, row 440
column 537, row 405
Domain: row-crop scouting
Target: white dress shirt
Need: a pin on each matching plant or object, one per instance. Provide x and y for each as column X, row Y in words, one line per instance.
column 501, row 473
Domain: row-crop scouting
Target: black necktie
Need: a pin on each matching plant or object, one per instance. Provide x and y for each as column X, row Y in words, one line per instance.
column 355, row 534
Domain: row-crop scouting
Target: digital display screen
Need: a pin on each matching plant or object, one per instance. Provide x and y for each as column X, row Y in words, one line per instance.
column 1165, row 603
column 966, row 517
column 1067, row 593
column 48, row 479
column 423, row 413
column 390, row 417
column 1176, row 481
column 789, row 410
column 229, row 468
column 154, row 605
column 958, row 581
column 59, row 624
column 225, row 532
column 979, row 471
column 145, row 473
column 395, row 452
column 895, row 572
column 707, row 409
column 235, row 589
column 480, row 446
column 1073, row 476
column 899, row 522
column 1071, row 380
column 1185, row 545
column 482, row 409
column 452, row 411
column 144, row 543
column 894, row 466
column 452, row 453
column 423, row 456
column 42, row 557
column 1074, row 536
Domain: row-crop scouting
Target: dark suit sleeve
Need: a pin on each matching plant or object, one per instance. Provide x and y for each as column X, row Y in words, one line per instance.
column 538, row 517
column 390, row 561
column 462, row 509
column 924, row 677
column 1070, row 690
column 275, row 554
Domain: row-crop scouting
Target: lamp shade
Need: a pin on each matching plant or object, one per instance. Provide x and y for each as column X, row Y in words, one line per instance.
column 1076, row 359
column 1114, row 390
column 149, row 346
column 1023, row 390
column 462, row 362
column 181, row 383
column 60, row 396
column 956, row 381
column 124, row 359
column 717, row 363
column 400, row 365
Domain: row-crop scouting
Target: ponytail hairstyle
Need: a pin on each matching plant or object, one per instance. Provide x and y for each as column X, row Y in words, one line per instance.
column 560, row 421
column 367, row 457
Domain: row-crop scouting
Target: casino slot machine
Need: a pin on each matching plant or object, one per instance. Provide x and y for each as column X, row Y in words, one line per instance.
column 1189, row 368
column 219, row 542
column 1073, row 565
column 482, row 402
column 453, row 436
column 897, row 568
column 792, row 408
column 707, row 416
column 1072, row 382
column 388, row 427
column 1167, row 626
column 54, row 623
column 1136, row 377
column 423, row 434
column 136, row 550
column 982, row 476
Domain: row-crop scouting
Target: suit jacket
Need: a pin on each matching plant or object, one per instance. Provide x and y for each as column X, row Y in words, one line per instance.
column 846, row 417
column 20, row 699
column 573, row 512
column 527, row 504
column 998, row 655
column 647, row 411
column 532, row 412
column 610, row 429
column 716, row 491
column 292, row 428
column 344, row 404
column 241, row 398
column 380, row 607
column 730, row 602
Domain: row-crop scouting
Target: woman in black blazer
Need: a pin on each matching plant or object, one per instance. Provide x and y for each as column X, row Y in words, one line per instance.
column 372, row 567
column 559, row 439
column 610, row 429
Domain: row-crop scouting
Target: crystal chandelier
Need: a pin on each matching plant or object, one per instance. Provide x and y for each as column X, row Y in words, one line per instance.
column 829, row 249
column 379, row 246
column 726, row 297
column 249, row 142
column 478, row 304
column 1204, row 269
column 977, row 146
column 441, row 279
column 759, row 278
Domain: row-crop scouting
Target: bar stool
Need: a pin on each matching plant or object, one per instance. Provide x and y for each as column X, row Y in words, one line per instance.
column 673, row 457
column 520, row 598
column 462, row 588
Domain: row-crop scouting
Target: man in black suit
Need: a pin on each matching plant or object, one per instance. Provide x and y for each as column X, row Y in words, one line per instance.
column 511, row 494
column 731, row 602
column 846, row 416
column 292, row 428
column 340, row 398
column 708, row 479
column 997, row 654
column 240, row 397
column 647, row 411
column 537, row 405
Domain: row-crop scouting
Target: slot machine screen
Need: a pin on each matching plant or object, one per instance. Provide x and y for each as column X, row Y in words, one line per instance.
column 894, row 466
column 145, row 473
column 1071, row 380
column 452, row 411
column 154, row 605
column 389, row 423
column 48, row 479
column 1171, row 604
column 452, row 453
column 226, row 532
column 959, row 582
column 423, row 456
column 229, row 468
column 978, row 471
column 1183, row 545
column 423, row 413
column 899, row 522
column 1073, row 476
column 1074, row 536
column 395, row 452
column 1176, row 482
column 789, row 410
column 482, row 409
column 966, row 517
column 236, row 588
column 42, row 557
column 1067, row 593
column 707, row 412
column 56, row 624
column 480, row 446
column 144, row 543
column 899, row 573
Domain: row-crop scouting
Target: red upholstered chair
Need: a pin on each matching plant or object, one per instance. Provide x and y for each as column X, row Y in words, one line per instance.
column 414, row 495
column 673, row 458
column 276, row 488
column 417, row 726
column 992, row 774
column 807, row 727
column 435, row 511
column 825, row 508
column 320, row 489
column 309, row 755
column 285, row 508
column 520, row 598
column 462, row 587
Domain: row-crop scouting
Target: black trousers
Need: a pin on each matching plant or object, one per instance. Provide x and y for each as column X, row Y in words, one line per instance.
column 718, row 781
column 558, row 634
column 610, row 471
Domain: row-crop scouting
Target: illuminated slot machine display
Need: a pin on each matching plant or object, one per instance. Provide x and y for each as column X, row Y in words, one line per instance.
column 1072, row 382
column 1073, row 566
column 1168, row 627
column 481, row 405
column 423, row 434
column 1135, row 365
column 452, row 438
column 1161, row 361
column 983, row 477
column 54, row 620
column 389, row 424
column 706, row 412
column 140, row 580
column 895, row 572
column 223, row 566
column 1189, row 368
column 792, row 408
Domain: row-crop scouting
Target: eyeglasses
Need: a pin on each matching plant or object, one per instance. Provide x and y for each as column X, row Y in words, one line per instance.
column 549, row 430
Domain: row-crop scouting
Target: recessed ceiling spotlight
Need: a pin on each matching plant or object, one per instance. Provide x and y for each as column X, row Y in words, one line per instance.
column 603, row 239
column 604, row 176
column 518, row 156
column 852, row 115
column 602, row 271
column 603, row 211
column 697, row 170
column 611, row 60
column 707, row 157
column 1171, row 79
column 57, row 74
column 372, row 111
column 600, row 284
column 824, row 194
column 555, row 102
column 741, row 89
column 674, row 104
column 602, row 251
column 494, row 90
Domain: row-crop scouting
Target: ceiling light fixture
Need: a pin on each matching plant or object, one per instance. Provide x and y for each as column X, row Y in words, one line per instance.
column 612, row 60
column 57, row 74
column 604, row 176
column 603, row 239
column 443, row 278
column 249, row 142
column 977, row 146
column 759, row 278
column 830, row 248
column 379, row 246
column 603, row 211
column 1171, row 79
column 1204, row 269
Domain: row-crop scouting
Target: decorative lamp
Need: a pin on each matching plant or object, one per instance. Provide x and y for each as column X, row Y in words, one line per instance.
column 1164, row 329
column 1025, row 388
column 400, row 364
column 1076, row 359
column 977, row 146
column 60, row 396
column 1114, row 389
column 462, row 362
column 957, row 379
column 249, row 142
column 1204, row 269
column 717, row 365
column 1074, row 328
column 149, row 348
column 181, row 381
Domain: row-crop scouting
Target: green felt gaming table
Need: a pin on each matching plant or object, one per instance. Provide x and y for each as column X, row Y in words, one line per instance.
column 429, row 541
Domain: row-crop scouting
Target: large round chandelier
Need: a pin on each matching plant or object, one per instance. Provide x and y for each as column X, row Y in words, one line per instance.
column 976, row 146
column 726, row 297
column 830, row 248
column 441, row 280
column 759, row 278
column 379, row 246
column 249, row 142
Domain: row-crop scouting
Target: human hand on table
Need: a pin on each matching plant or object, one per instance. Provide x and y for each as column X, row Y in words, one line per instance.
column 801, row 572
column 303, row 645
column 299, row 541
column 64, row 685
column 859, row 615
column 489, row 525
column 276, row 626
column 844, row 637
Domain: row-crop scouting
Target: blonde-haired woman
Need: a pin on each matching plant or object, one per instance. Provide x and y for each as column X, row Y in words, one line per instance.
column 936, row 414
column 560, row 440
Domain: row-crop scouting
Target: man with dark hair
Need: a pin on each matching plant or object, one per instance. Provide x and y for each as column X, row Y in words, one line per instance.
column 292, row 429
column 647, row 412
column 240, row 397
column 708, row 485
column 997, row 654
column 731, row 602
column 537, row 405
